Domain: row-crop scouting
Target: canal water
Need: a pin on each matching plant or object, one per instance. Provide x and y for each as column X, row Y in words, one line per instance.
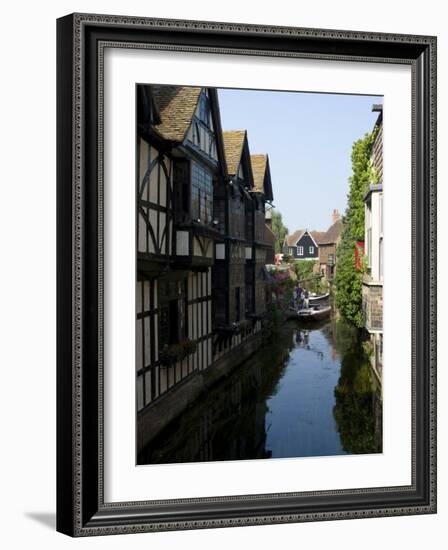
column 307, row 392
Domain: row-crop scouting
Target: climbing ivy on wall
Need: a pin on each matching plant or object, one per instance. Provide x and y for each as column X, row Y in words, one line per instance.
column 348, row 279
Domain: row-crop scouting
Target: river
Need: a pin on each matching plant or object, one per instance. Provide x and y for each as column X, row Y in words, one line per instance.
column 307, row 392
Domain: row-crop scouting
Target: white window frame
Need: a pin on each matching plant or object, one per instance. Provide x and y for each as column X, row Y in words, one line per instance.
column 311, row 249
column 300, row 251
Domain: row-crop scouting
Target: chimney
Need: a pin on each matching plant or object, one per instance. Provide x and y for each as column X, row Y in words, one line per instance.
column 335, row 216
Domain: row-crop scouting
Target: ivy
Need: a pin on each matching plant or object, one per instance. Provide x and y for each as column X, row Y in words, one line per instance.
column 348, row 279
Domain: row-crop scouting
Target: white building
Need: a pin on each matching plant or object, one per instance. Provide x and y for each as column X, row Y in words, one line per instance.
column 372, row 291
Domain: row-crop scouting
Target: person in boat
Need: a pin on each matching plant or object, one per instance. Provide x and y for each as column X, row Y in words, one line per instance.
column 298, row 293
column 306, row 301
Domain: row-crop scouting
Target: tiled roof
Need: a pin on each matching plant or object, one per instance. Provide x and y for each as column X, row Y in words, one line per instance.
column 177, row 105
column 333, row 233
column 318, row 236
column 233, row 148
column 259, row 163
column 292, row 239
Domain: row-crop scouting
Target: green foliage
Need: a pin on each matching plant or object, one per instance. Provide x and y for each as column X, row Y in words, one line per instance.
column 348, row 279
column 279, row 229
column 276, row 312
column 359, row 182
column 355, row 400
column 307, row 276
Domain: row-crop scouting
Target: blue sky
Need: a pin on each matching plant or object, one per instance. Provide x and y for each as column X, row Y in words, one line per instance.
column 308, row 138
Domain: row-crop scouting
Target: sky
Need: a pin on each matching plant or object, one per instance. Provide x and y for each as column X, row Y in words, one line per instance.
column 308, row 138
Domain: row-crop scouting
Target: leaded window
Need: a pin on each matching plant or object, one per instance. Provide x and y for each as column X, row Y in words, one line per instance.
column 172, row 312
column 201, row 133
column 204, row 109
column 201, row 194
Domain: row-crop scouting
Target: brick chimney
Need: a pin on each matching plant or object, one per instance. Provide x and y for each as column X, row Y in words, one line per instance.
column 335, row 216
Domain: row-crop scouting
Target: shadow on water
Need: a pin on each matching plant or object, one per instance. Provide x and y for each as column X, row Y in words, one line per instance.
column 308, row 392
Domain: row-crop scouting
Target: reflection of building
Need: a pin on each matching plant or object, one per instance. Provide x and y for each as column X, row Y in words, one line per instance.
column 303, row 244
column 372, row 289
column 327, row 248
column 200, row 211
column 228, row 422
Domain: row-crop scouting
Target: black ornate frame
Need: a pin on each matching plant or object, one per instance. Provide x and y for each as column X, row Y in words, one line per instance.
column 81, row 39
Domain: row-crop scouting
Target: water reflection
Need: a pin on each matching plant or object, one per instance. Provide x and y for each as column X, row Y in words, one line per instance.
column 309, row 392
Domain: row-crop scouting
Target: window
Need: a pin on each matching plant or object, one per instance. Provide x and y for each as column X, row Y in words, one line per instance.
column 369, row 247
column 300, row 250
column 204, row 109
column 201, row 133
column 291, row 250
column 311, row 249
column 201, row 194
column 172, row 312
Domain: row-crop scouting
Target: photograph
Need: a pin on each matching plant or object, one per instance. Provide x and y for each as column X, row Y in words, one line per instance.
column 259, row 274
column 223, row 283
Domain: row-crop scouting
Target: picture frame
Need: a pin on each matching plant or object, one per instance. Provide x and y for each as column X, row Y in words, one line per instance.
column 81, row 507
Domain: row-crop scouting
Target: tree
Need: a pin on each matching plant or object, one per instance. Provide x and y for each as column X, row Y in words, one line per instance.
column 279, row 229
column 348, row 279
column 307, row 277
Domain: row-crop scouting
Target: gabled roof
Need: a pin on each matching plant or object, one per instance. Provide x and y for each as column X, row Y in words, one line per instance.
column 292, row 240
column 259, row 165
column 176, row 105
column 262, row 175
column 333, row 234
column 233, row 148
column 317, row 236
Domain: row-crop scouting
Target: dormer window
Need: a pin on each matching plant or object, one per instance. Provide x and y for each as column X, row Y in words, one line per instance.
column 201, row 132
column 204, row 109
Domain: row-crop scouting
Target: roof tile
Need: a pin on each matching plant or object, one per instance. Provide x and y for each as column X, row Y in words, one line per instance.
column 177, row 105
column 233, row 148
column 259, row 164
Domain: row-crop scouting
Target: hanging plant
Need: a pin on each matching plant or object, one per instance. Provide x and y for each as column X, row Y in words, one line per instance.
column 176, row 352
column 189, row 346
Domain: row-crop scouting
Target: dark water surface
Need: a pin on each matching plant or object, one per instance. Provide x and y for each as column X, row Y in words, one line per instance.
column 308, row 392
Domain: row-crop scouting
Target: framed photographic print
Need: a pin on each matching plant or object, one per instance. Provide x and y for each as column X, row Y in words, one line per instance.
column 246, row 274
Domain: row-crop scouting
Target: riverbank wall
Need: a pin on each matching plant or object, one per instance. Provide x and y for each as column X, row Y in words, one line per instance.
column 152, row 420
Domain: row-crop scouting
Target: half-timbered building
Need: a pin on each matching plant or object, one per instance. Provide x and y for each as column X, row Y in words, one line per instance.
column 200, row 222
column 257, row 259
column 180, row 160
column 240, row 224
